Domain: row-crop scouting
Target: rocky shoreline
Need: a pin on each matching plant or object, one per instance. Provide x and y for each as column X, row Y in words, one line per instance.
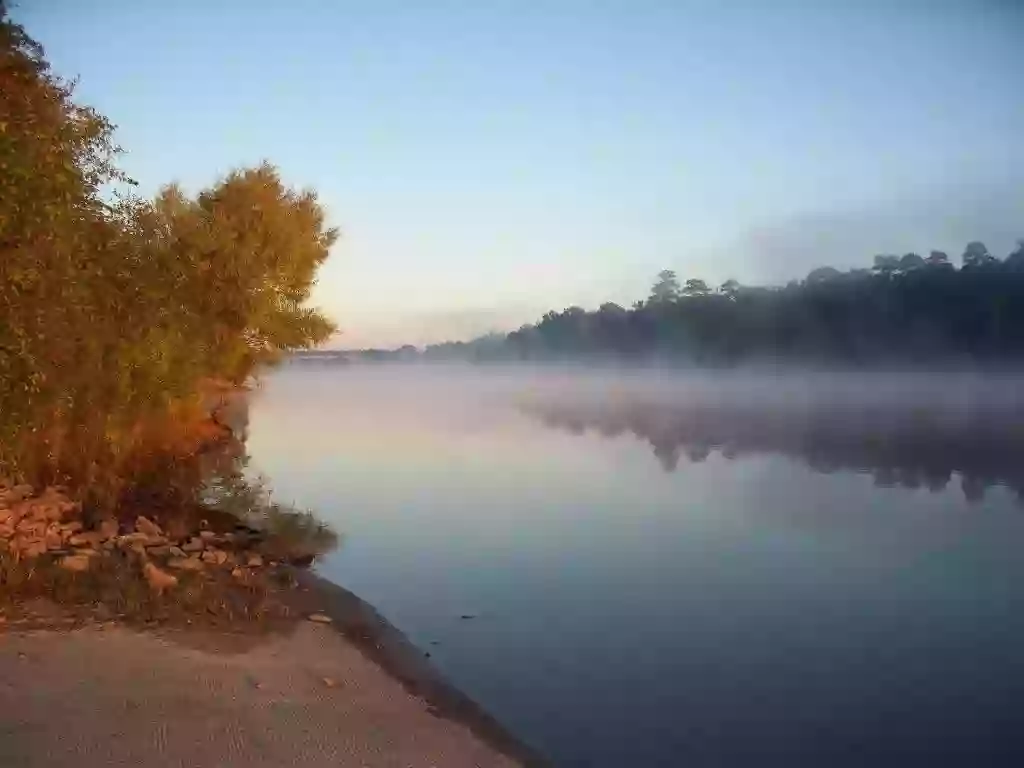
column 50, row 525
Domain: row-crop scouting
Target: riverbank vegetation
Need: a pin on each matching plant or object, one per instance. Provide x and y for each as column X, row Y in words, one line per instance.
column 128, row 327
column 115, row 308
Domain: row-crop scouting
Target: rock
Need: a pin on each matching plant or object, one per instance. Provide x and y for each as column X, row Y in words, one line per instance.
column 185, row 564
column 108, row 528
column 238, row 573
column 147, row 526
column 32, row 529
column 254, row 561
column 215, row 556
column 70, row 528
column 54, row 539
column 55, row 511
column 43, row 511
column 6, row 530
column 76, row 563
column 22, row 491
column 33, row 548
column 19, row 509
column 193, row 545
column 6, row 515
column 140, row 539
column 160, row 550
column 330, row 682
column 87, row 539
column 176, row 551
column 319, row 618
column 158, row 579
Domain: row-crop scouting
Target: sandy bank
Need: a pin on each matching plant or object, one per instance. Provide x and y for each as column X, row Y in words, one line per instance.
column 109, row 696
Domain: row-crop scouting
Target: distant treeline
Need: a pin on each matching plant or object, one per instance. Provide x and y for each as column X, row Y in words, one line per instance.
column 115, row 309
column 904, row 309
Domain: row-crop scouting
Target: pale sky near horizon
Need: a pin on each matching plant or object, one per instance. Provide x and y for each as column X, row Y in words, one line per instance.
column 487, row 161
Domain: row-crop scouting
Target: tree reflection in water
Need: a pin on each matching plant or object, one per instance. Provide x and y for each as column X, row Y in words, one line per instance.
column 913, row 447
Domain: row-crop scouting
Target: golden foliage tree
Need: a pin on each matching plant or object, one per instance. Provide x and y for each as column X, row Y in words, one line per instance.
column 112, row 308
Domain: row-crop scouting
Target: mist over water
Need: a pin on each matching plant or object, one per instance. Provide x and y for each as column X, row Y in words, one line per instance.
column 665, row 567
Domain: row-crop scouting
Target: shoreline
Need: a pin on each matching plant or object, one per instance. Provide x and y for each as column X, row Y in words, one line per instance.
column 357, row 687
column 390, row 660
column 390, row 649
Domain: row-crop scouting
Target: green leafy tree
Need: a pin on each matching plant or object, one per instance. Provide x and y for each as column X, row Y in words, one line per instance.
column 696, row 287
column 665, row 288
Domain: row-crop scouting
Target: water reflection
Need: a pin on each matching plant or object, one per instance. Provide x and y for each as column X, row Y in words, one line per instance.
column 919, row 447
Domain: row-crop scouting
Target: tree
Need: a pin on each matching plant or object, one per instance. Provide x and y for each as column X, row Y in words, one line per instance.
column 665, row 289
column 252, row 247
column 730, row 288
column 1015, row 260
column 114, row 309
column 906, row 309
column 696, row 287
column 822, row 275
column 886, row 264
column 911, row 261
column 976, row 255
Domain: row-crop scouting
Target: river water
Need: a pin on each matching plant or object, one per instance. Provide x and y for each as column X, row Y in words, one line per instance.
column 696, row 569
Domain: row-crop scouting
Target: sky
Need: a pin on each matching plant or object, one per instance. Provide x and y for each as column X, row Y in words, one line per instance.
column 487, row 161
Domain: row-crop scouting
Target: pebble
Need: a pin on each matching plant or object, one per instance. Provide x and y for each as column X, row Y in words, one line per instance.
column 319, row 618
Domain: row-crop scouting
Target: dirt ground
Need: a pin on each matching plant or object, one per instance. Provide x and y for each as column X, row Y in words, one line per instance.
column 105, row 695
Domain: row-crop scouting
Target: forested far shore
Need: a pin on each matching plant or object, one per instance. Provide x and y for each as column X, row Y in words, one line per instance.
column 903, row 310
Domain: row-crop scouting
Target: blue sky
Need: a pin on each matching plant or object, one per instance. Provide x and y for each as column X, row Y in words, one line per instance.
column 487, row 161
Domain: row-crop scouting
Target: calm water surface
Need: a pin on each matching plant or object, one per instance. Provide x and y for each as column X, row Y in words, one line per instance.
column 683, row 570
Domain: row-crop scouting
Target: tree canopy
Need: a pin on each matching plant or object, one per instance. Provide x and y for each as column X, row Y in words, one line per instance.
column 903, row 309
column 114, row 308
